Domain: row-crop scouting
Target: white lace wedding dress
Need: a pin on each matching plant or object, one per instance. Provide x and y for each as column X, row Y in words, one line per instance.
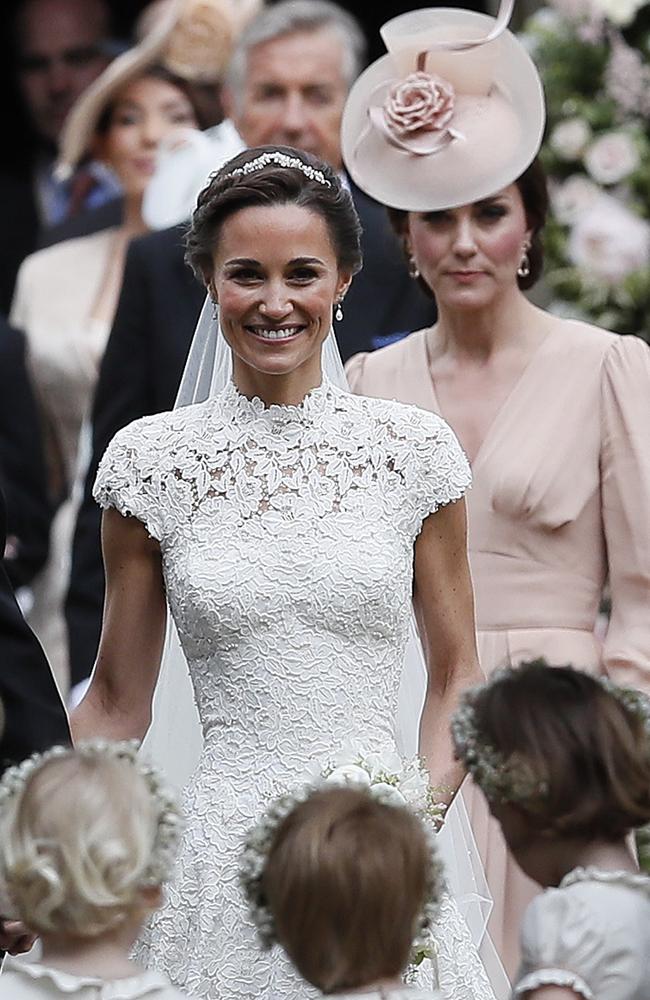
column 287, row 539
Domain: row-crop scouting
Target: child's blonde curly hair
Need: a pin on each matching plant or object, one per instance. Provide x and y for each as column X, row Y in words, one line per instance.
column 82, row 833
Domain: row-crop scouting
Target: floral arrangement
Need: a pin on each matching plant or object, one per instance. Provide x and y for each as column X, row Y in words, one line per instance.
column 594, row 60
column 386, row 777
column 390, row 778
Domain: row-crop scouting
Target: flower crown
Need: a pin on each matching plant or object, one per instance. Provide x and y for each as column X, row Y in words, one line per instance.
column 282, row 160
column 169, row 820
column 512, row 779
column 397, row 790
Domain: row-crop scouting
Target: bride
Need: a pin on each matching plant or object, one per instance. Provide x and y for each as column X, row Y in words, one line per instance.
column 289, row 525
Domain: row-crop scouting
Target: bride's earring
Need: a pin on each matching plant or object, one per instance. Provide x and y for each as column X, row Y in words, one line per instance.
column 338, row 315
column 524, row 267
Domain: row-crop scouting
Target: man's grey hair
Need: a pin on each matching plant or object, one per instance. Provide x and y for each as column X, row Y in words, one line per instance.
column 290, row 17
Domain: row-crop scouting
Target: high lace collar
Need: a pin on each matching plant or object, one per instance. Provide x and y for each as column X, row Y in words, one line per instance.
column 316, row 402
column 633, row 880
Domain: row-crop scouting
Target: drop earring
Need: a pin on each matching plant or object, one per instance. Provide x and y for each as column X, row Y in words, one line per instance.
column 338, row 315
column 413, row 268
column 215, row 309
column 524, row 267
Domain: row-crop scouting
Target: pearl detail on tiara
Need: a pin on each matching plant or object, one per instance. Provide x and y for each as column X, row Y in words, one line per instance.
column 282, row 160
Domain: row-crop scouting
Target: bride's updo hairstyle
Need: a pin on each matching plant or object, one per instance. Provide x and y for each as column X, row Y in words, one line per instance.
column 342, row 863
column 84, row 834
column 570, row 751
column 273, row 175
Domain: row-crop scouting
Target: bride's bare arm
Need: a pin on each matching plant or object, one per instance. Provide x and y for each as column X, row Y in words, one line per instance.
column 118, row 702
column 444, row 609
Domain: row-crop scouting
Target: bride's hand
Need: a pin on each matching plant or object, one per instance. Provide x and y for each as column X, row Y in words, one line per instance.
column 15, row 938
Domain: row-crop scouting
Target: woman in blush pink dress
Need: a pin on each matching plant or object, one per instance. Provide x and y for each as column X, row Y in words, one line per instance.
column 553, row 415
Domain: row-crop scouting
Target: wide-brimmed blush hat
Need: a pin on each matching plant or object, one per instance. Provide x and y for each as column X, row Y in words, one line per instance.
column 452, row 114
column 192, row 39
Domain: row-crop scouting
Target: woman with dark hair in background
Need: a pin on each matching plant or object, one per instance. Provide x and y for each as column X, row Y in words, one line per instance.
column 553, row 414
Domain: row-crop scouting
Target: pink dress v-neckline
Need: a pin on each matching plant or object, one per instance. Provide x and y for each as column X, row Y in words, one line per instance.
column 501, row 417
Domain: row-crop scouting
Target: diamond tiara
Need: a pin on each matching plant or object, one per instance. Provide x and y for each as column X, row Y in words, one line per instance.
column 282, row 160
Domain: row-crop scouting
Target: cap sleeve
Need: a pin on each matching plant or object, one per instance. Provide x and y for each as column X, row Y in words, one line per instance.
column 432, row 463
column 625, row 478
column 561, row 942
column 129, row 477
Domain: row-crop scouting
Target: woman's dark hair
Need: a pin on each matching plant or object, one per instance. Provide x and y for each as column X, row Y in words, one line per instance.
column 340, row 863
column 534, row 194
column 273, row 184
column 156, row 72
column 576, row 740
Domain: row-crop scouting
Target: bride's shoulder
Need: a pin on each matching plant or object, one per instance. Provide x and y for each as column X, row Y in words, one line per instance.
column 163, row 430
column 396, row 418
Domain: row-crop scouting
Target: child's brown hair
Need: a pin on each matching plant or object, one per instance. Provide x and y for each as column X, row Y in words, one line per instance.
column 577, row 748
column 346, row 881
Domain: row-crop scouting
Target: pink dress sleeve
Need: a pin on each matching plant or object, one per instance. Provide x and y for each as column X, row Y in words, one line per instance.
column 625, row 497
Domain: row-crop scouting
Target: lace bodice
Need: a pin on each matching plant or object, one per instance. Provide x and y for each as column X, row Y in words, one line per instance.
column 287, row 537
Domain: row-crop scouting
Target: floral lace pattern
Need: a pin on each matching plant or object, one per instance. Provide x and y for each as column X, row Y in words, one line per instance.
column 287, row 537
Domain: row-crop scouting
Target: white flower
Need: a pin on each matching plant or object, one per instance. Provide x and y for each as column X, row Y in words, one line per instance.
column 387, row 794
column 573, row 197
column 608, row 242
column 350, row 753
column 612, row 157
column 569, row 138
column 349, row 774
column 621, row 12
column 385, row 763
column 544, row 19
column 415, row 789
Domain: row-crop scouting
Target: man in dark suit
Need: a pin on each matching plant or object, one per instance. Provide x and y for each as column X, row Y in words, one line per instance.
column 287, row 85
column 59, row 47
column 34, row 715
column 22, row 465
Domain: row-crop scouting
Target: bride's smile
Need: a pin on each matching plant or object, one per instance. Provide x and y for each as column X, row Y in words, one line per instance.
column 276, row 279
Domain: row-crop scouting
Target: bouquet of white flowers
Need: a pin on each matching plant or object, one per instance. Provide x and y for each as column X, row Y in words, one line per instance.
column 389, row 778
column 594, row 60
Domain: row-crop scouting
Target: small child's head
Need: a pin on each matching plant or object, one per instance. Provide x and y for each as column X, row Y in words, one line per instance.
column 318, row 874
column 87, row 838
column 563, row 753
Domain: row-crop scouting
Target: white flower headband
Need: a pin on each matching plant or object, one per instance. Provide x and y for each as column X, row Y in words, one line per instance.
column 282, row 160
column 512, row 780
column 169, row 818
column 260, row 840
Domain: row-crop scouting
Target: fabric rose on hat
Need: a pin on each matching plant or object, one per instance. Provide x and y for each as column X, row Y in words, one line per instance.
column 419, row 103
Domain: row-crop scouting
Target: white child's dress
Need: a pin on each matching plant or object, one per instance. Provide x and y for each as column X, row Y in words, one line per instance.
column 592, row 935
column 20, row 980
